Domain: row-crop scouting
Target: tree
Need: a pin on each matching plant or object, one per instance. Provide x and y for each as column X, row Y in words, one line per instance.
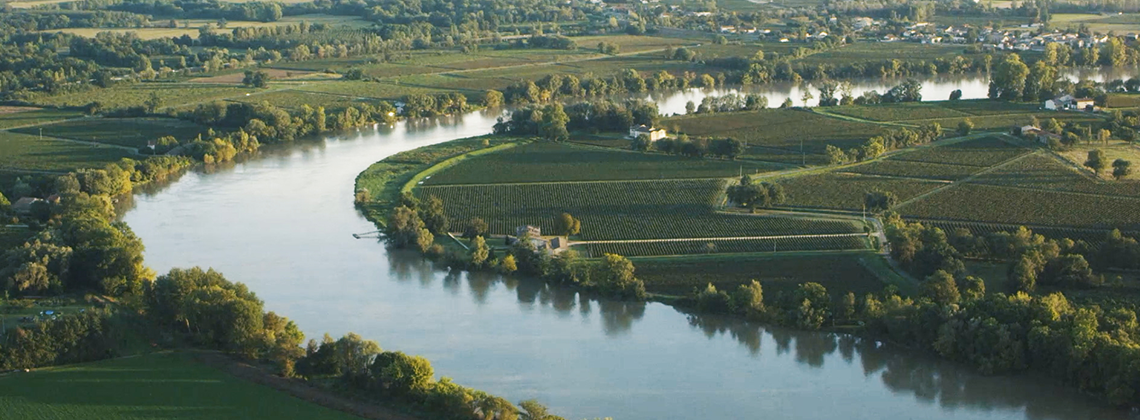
column 554, row 119
column 479, row 251
column 836, row 156
column 508, row 264
column 492, row 98
column 616, row 278
column 973, row 288
column 965, row 127
column 806, row 96
column 879, row 201
column 1096, row 161
column 152, row 103
column 787, row 103
column 956, row 95
column 749, row 298
column 1023, row 275
column 811, row 306
column 1120, row 169
column 640, row 143
column 941, row 288
column 532, row 410
column 1008, row 81
column 404, row 225
column 567, row 225
column 434, row 217
column 256, row 78
column 401, row 374
column 690, row 107
column 475, row 227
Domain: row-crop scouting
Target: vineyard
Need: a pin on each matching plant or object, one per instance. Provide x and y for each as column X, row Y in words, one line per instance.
column 983, row 152
column 547, row 162
column 130, row 132
column 847, row 191
column 1032, row 207
column 907, row 169
column 20, row 151
column 1046, row 172
column 777, row 274
column 620, row 210
column 783, row 129
column 295, row 100
column 1091, row 236
column 819, row 243
column 898, row 112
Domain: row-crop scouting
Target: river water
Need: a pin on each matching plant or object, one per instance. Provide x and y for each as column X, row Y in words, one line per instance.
column 282, row 224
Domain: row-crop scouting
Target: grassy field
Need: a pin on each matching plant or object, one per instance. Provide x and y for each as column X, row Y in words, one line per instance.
column 153, row 386
column 548, row 161
column 620, row 210
column 25, row 152
column 846, row 191
column 1045, row 172
column 779, row 129
column 135, row 94
column 11, row 117
column 1078, row 154
column 777, row 274
column 1123, row 100
column 1123, row 23
column 130, row 132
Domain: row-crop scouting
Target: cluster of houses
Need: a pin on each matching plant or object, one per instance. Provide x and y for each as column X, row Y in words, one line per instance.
column 1060, row 103
column 1025, row 41
column 549, row 245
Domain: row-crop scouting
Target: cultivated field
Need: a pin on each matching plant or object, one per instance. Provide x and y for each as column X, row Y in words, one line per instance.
column 847, row 191
column 777, row 274
column 620, row 210
column 25, row 152
column 135, row 94
column 146, row 387
column 1046, row 172
column 548, row 162
column 1013, row 205
column 898, row 112
column 130, row 132
column 908, row 169
column 637, row 249
column 14, row 116
column 780, row 129
column 982, row 152
column 296, row 99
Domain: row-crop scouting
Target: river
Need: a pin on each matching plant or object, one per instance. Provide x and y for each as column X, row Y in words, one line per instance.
column 282, row 224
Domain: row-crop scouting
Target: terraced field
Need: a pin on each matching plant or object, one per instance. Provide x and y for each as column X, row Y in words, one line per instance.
column 548, row 162
column 620, row 210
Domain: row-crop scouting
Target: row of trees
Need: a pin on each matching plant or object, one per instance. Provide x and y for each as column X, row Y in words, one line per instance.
column 892, row 139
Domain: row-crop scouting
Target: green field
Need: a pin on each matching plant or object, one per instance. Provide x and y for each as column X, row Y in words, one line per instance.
column 154, row 386
column 846, row 191
column 780, row 129
column 777, row 274
column 130, row 132
column 620, row 210
column 12, row 117
column 879, row 51
column 25, row 152
column 135, row 94
column 550, row 162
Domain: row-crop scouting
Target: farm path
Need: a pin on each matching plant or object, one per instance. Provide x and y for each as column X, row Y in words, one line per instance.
column 726, row 238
